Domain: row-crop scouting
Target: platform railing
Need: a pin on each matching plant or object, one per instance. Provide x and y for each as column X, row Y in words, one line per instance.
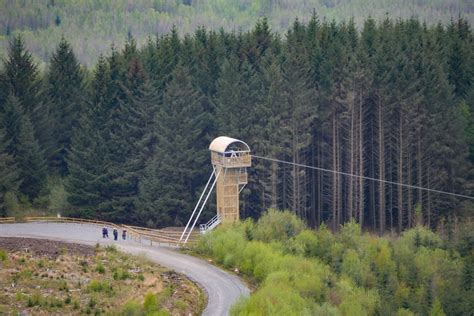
column 204, row 228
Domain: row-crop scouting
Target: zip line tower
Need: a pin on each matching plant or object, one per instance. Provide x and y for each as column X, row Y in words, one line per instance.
column 230, row 159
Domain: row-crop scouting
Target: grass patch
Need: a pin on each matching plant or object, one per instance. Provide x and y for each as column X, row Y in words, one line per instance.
column 94, row 284
column 99, row 286
column 3, row 255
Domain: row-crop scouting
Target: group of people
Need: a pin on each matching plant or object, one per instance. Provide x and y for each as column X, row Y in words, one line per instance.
column 105, row 233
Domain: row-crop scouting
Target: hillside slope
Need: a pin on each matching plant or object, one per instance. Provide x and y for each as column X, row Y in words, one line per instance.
column 93, row 26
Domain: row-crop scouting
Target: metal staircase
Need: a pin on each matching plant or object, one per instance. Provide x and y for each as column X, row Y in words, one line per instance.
column 204, row 228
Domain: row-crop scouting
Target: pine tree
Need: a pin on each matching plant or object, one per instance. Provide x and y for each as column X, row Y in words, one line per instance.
column 21, row 79
column 183, row 135
column 87, row 168
column 297, row 117
column 87, row 156
column 65, row 93
column 9, row 174
column 23, row 146
column 131, row 142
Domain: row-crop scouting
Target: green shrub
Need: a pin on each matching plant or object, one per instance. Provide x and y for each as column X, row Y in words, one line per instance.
column 355, row 300
column 57, row 199
column 100, row 268
column 277, row 226
column 121, row 274
column 420, row 237
column 99, row 286
column 132, row 308
column 150, row 303
column 36, row 299
column 11, row 202
column 258, row 259
column 348, row 273
column 165, row 293
column 304, row 244
column 3, row 255
column 111, row 249
column 275, row 300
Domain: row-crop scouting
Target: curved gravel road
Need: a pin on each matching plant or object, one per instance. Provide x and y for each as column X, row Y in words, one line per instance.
column 223, row 289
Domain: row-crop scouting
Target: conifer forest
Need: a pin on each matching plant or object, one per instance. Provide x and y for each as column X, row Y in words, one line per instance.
column 126, row 139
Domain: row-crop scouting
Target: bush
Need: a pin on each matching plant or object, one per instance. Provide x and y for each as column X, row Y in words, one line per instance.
column 356, row 301
column 11, row 202
column 304, row 244
column 277, row 226
column 57, row 196
column 150, row 303
column 3, row 255
column 99, row 286
column 349, row 273
column 132, row 308
column 100, row 268
column 274, row 300
column 121, row 274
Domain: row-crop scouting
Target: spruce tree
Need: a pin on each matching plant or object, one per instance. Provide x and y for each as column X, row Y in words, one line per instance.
column 177, row 168
column 65, row 93
column 9, row 174
column 22, row 145
column 32, row 165
column 131, row 142
column 87, row 156
column 21, row 78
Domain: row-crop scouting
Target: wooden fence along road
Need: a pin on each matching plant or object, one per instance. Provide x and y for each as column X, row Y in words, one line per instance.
column 157, row 236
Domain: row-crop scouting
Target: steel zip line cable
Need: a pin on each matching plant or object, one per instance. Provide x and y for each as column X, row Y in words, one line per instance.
column 364, row 177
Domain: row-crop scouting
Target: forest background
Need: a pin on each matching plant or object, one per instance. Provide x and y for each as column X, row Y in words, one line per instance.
column 126, row 140
column 92, row 26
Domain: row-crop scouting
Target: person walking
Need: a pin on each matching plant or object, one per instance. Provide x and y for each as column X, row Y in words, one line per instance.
column 104, row 232
column 115, row 234
column 124, row 234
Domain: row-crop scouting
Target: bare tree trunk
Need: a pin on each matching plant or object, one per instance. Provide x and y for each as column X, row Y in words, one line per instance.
column 419, row 170
column 313, row 185
column 372, row 184
column 339, row 182
column 381, row 170
column 410, row 191
column 294, row 175
column 320, row 182
column 428, row 206
column 285, row 188
column 361, row 162
column 400, row 174
column 274, row 184
column 351, row 167
column 334, row 175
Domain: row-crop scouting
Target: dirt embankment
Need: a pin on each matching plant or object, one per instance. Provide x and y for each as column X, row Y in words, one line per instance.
column 48, row 277
column 40, row 247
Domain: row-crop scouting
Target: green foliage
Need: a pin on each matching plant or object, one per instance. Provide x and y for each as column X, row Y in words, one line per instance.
column 276, row 225
column 99, row 286
column 121, row 274
column 127, row 140
column 3, row 255
column 150, row 304
column 100, row 268
column 43, row 23
column 348, row 273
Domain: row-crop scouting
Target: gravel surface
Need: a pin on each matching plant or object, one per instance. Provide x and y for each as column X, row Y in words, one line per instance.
column 223, row 289
column 51, row 248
